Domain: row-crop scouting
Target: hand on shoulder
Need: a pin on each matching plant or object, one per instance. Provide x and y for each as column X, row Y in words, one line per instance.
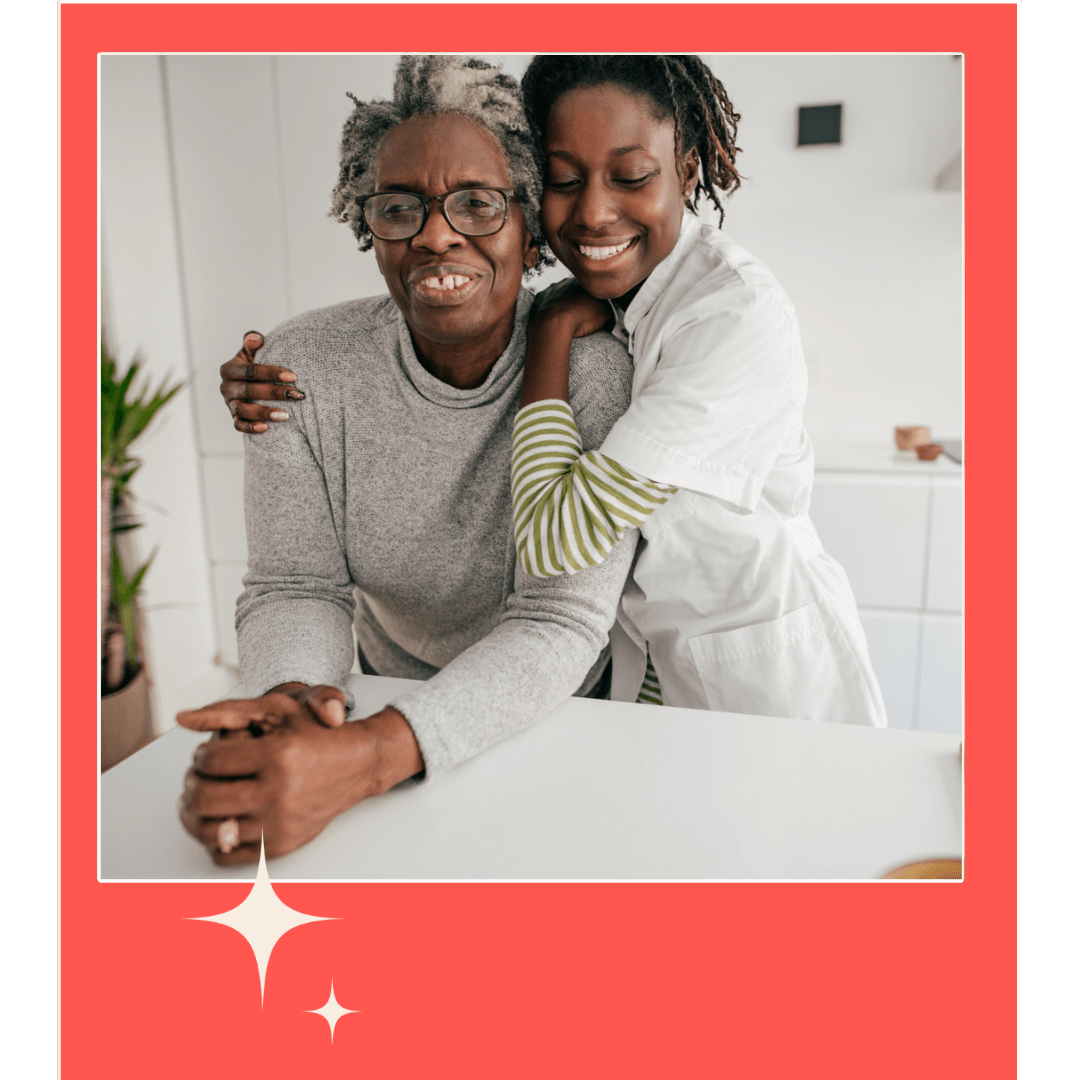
column 245, row 382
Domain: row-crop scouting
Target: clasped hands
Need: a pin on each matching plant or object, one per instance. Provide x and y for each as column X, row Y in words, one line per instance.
column 284, row 765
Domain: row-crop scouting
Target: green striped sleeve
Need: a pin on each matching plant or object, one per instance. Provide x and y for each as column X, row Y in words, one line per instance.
column 650, row 692
column 570, row 508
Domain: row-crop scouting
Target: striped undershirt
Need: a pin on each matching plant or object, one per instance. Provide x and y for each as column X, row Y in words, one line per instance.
column 649, row 694
column 570, row 508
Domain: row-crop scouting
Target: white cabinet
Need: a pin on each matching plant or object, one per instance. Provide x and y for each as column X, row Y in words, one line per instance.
column 941, row 675
column 944, row 577
column 893, row 640
column 875, row 527
column 897, row 528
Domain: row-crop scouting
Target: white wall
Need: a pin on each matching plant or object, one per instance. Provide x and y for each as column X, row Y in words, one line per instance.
column 143, row 311
column 216, row 176
column 869, row 252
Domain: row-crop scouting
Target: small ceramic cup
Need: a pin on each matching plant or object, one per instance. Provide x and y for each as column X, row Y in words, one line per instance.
column 907, row 438
column 928, row 451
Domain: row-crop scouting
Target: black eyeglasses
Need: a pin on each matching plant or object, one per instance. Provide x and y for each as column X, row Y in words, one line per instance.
column 399, row 215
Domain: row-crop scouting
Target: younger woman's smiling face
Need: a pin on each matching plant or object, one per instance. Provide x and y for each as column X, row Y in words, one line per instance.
column 614, row 192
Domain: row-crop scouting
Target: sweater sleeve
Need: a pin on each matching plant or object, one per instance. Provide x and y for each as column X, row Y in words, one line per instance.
column 294, row 618
column 570, row 507
column 546, row 642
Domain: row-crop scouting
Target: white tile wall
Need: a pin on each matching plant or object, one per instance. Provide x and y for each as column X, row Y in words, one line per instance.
column 143, row 312
column 231, row 216
column 223, row 480
column 228, row 585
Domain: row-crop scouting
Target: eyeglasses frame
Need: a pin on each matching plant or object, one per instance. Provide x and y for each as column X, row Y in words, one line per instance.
column 427, row 200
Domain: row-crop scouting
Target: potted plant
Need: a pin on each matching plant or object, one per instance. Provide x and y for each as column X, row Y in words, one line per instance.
column 125, row 697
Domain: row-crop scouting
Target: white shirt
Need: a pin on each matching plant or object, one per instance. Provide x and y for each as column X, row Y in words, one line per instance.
column 739, row 607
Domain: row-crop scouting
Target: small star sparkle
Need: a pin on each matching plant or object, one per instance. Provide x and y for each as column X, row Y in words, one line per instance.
column 262, row 918
column 332, row 1011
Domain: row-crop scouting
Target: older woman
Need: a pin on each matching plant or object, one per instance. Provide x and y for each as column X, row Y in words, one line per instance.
column 394, row 477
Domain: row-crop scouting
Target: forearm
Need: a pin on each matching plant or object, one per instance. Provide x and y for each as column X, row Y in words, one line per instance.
column 282, row 639
column 391, row 752
column 294, row 618
column 570, row 507
column 547, row 361
column 550, row 636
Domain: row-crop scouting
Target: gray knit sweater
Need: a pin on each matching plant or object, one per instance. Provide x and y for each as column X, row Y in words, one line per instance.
column 387, row 479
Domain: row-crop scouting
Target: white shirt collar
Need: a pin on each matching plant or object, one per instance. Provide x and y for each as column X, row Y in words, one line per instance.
column 658, row 280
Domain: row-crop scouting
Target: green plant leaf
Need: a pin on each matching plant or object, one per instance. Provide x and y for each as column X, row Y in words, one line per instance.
column 125, row 591
column 125, row 415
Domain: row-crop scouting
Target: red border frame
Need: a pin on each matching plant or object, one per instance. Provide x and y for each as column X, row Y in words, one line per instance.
column 521, row 981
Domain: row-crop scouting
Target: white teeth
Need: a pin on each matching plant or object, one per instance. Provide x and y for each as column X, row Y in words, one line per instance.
column 451, row 281
column 597, row 253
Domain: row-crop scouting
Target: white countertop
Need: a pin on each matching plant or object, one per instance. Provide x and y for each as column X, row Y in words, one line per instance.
column 595, row 790
column 839, row 455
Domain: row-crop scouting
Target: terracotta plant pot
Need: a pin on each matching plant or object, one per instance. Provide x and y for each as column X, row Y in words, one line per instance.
column 908, row 438
column 106, row 545
column 125, row 721
column 928, row 451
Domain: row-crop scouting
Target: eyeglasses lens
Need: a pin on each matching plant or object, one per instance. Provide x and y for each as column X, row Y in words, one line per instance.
column 476, row 212
column 473, row 212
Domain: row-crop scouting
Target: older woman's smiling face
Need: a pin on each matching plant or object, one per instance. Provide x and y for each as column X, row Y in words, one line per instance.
column 458, row 331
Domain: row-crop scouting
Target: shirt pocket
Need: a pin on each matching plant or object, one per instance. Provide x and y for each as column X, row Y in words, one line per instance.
column 784, row 667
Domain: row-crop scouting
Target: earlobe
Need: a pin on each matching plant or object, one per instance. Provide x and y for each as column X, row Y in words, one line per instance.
column 691, row 164
column 532, row 251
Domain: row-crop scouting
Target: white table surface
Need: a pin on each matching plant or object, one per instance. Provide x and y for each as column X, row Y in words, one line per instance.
column 595, row 790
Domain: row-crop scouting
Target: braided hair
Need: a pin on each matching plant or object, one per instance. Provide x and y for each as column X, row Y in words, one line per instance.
column 430, row 85
column 679, row 88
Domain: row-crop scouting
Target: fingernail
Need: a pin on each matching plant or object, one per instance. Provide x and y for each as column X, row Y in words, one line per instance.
column 294, row 395
column 255, row 339
column 288, row 376
column 336, row 711
column 278, row 414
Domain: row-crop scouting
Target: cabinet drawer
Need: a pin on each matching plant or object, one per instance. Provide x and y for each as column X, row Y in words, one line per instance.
column 945, row 565
column 875, row 527
column 941, row 675
column 893, row 640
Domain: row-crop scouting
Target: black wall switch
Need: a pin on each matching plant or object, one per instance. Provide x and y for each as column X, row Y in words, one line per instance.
column 819, row 124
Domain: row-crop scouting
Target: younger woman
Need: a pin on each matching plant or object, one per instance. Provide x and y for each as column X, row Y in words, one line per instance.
column 732, row 603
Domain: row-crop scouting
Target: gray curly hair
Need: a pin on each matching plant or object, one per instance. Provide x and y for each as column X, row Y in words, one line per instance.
column 441, row 84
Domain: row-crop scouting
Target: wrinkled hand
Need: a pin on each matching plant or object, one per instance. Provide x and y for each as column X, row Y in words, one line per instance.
column 243, row 382
column 326, row 702
column 284, row 775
